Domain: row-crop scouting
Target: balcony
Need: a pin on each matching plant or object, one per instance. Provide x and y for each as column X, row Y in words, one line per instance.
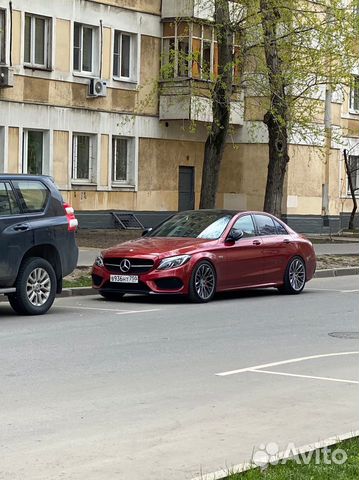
column 190, row 99
column 197, row 9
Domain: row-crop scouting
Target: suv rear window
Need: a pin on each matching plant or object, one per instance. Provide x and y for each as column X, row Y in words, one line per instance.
column 33, row 195
column 8, row 205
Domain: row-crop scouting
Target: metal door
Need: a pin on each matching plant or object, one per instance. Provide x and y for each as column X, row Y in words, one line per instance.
column 186, row 195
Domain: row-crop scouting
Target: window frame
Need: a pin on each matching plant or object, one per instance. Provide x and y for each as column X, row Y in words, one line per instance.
column 131, row 175
column 118, row 56
column 354, row 95
column 94, row 53
column 3, row 36
column 356, row 181
column 25, row 152
column 47, row 42
column 91, row 159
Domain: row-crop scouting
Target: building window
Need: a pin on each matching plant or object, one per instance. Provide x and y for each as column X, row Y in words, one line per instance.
column 2, row 36
column 84, row 48
column 120, row 159
column 124, row 57
column 354, row 173
column 37, row 41
column 33, row 152
column 83, row 160
column 354, row 95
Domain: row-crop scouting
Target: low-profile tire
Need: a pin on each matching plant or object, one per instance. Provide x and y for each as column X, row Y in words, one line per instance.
column 36, row 287
column 202, row 287
column 112, row 296
column 294, row 278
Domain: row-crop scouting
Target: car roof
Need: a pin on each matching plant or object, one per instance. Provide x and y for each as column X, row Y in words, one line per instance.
column 209, row 210
column 24, row 176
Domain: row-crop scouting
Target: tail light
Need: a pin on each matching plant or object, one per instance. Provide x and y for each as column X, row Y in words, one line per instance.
column 71, row 219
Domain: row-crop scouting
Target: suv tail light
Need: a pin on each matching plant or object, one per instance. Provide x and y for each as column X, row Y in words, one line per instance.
column 71, row 219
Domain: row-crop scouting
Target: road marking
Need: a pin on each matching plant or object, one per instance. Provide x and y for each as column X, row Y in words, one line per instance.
column 331, row 290
column 118, row 312
column 125, row 312
column 285, row 362
column 284, row 374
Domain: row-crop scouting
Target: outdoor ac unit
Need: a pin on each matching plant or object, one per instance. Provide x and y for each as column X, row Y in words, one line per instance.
column 6, row 77
column 98, row 88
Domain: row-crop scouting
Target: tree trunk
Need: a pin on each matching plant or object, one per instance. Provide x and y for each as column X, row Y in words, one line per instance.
column 221, row 108
column 277, row 116
column 352, row 190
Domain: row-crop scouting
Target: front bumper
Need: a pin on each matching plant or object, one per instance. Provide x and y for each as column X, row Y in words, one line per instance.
column 174, row 281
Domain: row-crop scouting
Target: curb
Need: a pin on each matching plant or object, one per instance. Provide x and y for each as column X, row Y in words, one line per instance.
column 244, row 467
column 335, row 272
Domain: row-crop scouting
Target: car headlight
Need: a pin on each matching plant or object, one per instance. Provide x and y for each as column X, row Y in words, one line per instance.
column 99, row 261
column 173, row 262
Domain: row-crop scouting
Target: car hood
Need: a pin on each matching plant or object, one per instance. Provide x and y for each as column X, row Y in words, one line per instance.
column 157, row 247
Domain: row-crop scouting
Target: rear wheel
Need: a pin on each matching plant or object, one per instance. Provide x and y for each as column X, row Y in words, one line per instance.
column 35, row 287
column 111, row 296
column 295, row 277
column 203, row 283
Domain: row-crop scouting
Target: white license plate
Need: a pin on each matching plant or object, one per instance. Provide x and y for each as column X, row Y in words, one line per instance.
column 124, row 278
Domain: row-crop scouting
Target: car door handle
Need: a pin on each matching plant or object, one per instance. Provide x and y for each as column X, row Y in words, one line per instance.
column 286, row 240
column 22, row 227
column 256, row 242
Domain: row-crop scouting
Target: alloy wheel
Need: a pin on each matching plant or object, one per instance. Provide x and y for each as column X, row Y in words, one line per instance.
column 205, row 281
column 38, row 287
column 297, row 275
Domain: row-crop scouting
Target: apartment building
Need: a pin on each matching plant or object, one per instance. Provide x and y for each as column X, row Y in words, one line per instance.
column 82, row 99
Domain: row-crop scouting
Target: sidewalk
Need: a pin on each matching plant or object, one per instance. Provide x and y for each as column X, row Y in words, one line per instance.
column 88, row 255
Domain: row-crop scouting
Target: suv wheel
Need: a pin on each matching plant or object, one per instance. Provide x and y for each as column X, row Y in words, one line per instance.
column 35, row 287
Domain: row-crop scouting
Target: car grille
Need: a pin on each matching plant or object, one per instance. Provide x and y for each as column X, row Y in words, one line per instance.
column 138, row 265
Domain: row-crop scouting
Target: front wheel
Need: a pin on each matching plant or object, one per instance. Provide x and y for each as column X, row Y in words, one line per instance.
column 295, row 277
column 203, row 281
column 35, row 287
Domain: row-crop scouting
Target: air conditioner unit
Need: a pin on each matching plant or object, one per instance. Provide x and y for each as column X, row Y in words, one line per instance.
column 98, row 88
column 6, row 77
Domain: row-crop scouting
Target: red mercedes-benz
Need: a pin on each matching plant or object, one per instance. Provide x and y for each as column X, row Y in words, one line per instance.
column 199, row 253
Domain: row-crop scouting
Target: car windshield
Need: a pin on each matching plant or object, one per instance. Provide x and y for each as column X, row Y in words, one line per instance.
column 206, row 225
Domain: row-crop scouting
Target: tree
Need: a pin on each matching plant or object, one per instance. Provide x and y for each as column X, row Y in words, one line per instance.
column 221, row 106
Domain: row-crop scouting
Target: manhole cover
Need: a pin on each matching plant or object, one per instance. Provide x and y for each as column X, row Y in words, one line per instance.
column 348, row 335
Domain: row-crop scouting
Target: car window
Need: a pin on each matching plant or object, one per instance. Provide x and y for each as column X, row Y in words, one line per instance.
column 199, row 224
column 265, row 225
column 33, row 195
column 245, row 224
column 281, row 230
column 8, row 204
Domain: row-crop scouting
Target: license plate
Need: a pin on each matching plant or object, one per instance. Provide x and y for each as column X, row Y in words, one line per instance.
column 124, row 278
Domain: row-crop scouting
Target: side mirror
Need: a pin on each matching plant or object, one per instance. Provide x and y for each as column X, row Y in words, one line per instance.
column 234, row 235
column 145, row 232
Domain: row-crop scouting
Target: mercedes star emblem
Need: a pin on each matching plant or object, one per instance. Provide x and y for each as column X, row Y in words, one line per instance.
column 125, row 265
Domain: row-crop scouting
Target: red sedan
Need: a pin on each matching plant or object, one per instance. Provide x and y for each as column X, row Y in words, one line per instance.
column 199, row 253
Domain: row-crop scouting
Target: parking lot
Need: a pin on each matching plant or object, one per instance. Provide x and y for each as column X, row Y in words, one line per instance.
column 157, row 388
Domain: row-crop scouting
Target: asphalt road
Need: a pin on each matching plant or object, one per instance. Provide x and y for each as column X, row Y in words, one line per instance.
column 99, row 390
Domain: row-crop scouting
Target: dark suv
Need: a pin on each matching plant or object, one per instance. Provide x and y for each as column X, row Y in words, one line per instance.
column 37, row 242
